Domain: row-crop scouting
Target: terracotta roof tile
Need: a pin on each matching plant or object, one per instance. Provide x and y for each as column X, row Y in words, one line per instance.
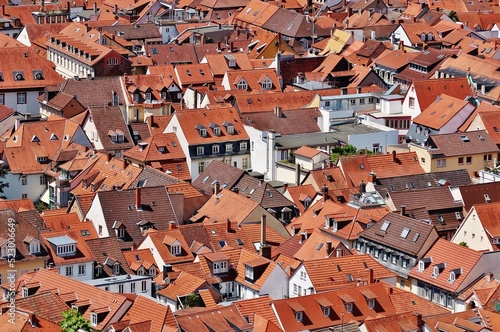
column 405, row 301
column 291, row 121
column 162, row 242
column 144, row 309
column 440, row 112
column 428, row 90
column 220, row 171
column 338, row 314
column 219, row 319
column 94, row 92
column 459, row 144
column 454, row 257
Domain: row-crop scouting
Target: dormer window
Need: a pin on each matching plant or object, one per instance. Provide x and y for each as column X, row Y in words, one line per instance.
column 248, row 272
column 348, row 306
column 216, row 131
column 175, row 249
column 38, row 75
column 230, row 129
column 93, row 319
column 371, row 303
column 1, row 76
column 219, row 267
column 35, row 139
column 65, row 246
column 299, row 315
column 34, row 247
column 18, row 76
column 136, row 96
column 163, row 94
column 242, row 85
column 116, row 268
column 421, row 266
column 452, row 276
column 54, row 137
column 120, row 233
column 267, row 84
column 148, row 97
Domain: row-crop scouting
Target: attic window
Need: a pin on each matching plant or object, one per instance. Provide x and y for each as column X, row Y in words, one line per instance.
column 206, row 178
column 35, row 139
column 1, row 76
column 361, row 166
column 385, row 226
column 440, row 219
column 464, row 138
column 38, row 75
column 458, row 216
column 18, row 76
column 188, row 72
column 405, row 232
column 53, row 137
column 154, row 50
column 415, row 237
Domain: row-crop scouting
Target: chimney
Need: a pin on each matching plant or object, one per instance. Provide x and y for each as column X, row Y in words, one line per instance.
column 285, row 187
column 419, row 321
column 370, row 275
column 138, row 204
column 125, row 163
column 297, row 174
column 166, row 269
column 108, row 157
column 302, row 237
column 278, row 111
column 228, row 225
column 401, row 45
column 218, row 46
column 115, row 9
column 94, row 7
column 263, row 229
column 391, row 290
column 236, row 190
column 231, row 46
column 216, row 188
column 68, row 6
column 373, row 177
column 3, row 10
column 265, row 251
column 403, row 210
column 349, row 12
column 393, row 156
column 489, row 277
column 329, row 247
column 133, row 246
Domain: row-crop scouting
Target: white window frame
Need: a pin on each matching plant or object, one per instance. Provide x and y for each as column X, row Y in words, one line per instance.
column 34, row 247
column 441, row 163
column 144, row 286
column 116, row 269
column 200, row 150
column 242, row 85
column 175, row 250
column 348, row 307
column 24, row 180
column 69, row 271
column 215, row 149
column 93, row 319
column 243, row 146
column 82, row 270
column 249, row 272
column 132, row 288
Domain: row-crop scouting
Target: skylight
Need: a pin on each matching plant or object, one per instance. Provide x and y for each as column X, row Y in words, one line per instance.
column 405, row 232
column 385, row 226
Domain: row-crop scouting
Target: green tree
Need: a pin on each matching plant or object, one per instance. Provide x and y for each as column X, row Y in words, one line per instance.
column 74, row 321
column 463, row 244
column 192, row 300
column 3, row 173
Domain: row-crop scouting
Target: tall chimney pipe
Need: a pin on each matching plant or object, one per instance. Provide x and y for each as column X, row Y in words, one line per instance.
column 138, row 204
column 263, row 229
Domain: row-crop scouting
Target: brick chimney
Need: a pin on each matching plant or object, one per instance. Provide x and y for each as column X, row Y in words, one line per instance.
column 166, row 269
column 329, row 248
column 393, row 156
column 370, row 275
column 403, row 210
column 297, row 174
column 489, row 277
column 138, row 204
column 228, row 225
column 263, row 229
column 172, row 225
column 373, row 177
column 216, row 188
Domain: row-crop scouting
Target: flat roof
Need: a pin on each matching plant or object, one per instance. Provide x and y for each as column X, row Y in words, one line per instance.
column 61, row 240
column 116, row 280
column 349, row 96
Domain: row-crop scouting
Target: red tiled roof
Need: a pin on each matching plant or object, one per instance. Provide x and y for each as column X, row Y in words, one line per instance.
column 428, row 90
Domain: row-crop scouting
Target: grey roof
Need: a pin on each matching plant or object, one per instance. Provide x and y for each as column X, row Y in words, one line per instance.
column 61, row 240
column 116, row 280
column 392, row 238
column 220, row 171
column 342, row 97
column 341, row 133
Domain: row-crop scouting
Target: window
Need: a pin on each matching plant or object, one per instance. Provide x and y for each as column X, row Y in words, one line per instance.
column 116, row 269
column 468, row 160
column 93, row 319
column 326, row 311
column 115, row 61
column 148, row 96
column 203, row 132
column 411, row 102
column 2, row 99
column 242, row 85
column 295, row 288
column 24, row 180
column 219, row 267
column 385, row 256
column 120, row 288
column 267, row 84
column 422, row 160
column 404, row 262
column 216, row 131
column 175, row 250
column 249, row 273
column 452, row 276
column 81, row 269
column 394, row 259
column 215, row 149
column 487, row 157
column 201, row 166
column 243, row 146
column 230, row 130
column 405, row 232
column 34, row 247
column 371, row 100
column 200, row 150
column 69, row 271
column 460, row 160
column 441, row 163
column 229, row 147
column 21, row 98
column 421, row 266
column 299, row 315
column 132, row 288
column 348, row 306
column 24, row 196
column 244, row 163
column 352, row 102
column 144, row 286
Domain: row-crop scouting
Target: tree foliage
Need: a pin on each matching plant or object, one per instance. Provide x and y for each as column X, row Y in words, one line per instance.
column 3, row 173
column 74, row 321
column 192, row 300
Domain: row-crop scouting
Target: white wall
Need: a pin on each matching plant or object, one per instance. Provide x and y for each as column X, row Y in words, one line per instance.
column 89, row 271
column 15, row 190
column 258, row 148
column 97, row 217
column 24, row 38
column 30, row 107
column 384, row 138
column 148, row 244
column 276, row 285
column 473, row 233
column 113, row 286
column 303, row 283
column 92, row 134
